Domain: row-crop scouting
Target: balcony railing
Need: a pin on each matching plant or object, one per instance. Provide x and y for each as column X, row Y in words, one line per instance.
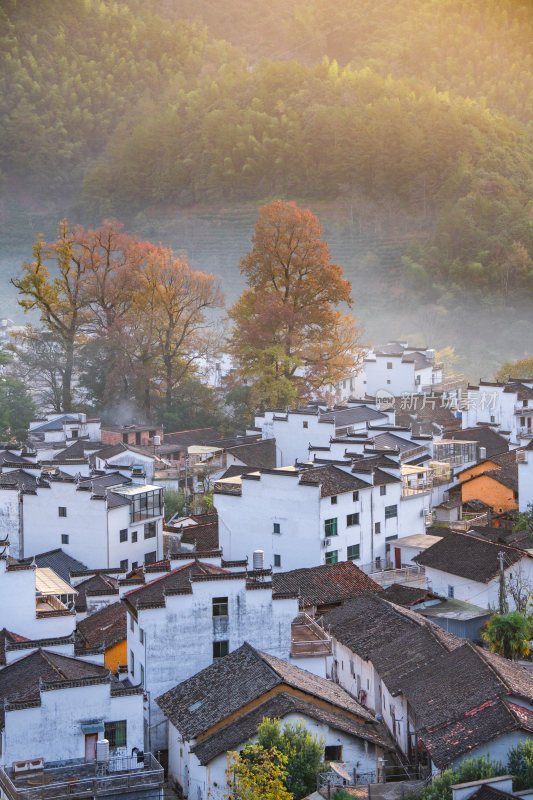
column 308, row 638
column 78, row 778
column 421, row 488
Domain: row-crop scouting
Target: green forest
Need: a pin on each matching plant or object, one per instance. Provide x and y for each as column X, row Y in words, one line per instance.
column 417, row 114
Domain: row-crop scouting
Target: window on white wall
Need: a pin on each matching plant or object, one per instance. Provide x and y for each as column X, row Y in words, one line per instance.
column 64, row 538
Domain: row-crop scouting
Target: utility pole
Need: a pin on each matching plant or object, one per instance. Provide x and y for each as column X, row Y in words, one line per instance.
column 502, row 595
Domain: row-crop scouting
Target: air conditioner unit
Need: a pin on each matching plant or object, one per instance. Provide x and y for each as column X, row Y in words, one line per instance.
column 521, row 457
column 424, row 512
column 326, row 543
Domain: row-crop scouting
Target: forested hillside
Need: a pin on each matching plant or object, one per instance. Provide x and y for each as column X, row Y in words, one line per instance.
column 420, row 128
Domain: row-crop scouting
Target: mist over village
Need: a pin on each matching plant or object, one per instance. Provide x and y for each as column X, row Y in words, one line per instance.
column 266, row 400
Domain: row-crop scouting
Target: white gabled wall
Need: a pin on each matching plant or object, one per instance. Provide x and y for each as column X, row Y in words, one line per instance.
column 178, row 639
column 61, row 714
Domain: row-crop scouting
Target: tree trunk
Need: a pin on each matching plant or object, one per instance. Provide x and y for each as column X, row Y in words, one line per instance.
column 66, row 383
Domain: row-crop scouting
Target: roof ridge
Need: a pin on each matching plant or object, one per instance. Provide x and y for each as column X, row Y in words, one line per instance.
column 492, row 668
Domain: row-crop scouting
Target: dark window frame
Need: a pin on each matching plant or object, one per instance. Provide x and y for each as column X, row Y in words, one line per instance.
column 220, row 649
column 220, row 607
column 116, row 733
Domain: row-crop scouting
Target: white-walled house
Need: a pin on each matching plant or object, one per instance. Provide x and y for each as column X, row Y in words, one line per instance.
column 120, row 456
column 106, row 520
column 317, row 515
column 524, row 459
column 506, row 407
column 45, row 691
column 64, row 428
column 396, row 368
column 467, row 567
column 54, row 710
column 443, row 699
column 219, row 709
column 182, row 620
column 296, row 429
column 27, row 613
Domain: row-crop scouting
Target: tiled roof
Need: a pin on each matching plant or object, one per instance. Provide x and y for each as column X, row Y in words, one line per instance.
column 105, row 628
column 111, row 450
column 55, row 424
column 97, row 585
column 261, row 454
column 333, row 480
column 8, row 637
column 485, row 437
column 328, row 584
column 477, row 727
column 103, row 481
column 76, row 450
column 7, row 457
column 449, row 687
column 20, row 479
column 280, row 705
column 175, row 582
column 379, row 631
column 184, row 439
column 57, row 560
column 490, row 793
column 115, row 500
column 381, row 477
column 407, row 596
column 468, row 556
column 20, row 681
column 230, row 683
column 204, row 536
column 351, row 416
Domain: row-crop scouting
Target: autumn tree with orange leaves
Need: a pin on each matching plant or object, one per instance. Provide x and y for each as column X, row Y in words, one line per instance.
column 289, row 340
column 127, row 318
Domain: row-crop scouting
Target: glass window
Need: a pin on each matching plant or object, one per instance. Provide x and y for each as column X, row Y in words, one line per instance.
column 132, row 663
column 352, row 552
column 150, row 558
column 451, row 592
column 277, row 527
column 124, row 565
column 334, row 500
column 389, row 364
column 141, row 635
column 332, row 557
column 377, row 527
column 64, row 538
column 305, row 423
column 124, row 535
column 382, row 490
column 115, row 733
column 142, row 675
column 146, row 505
column 220, row 606
column 134, row 536
column 330, row 527
column 391, row 511
column 150, row 530
column 62, row 511
column 277, row 560
column 220, row 649
column 352, row 519
column 355, row 497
